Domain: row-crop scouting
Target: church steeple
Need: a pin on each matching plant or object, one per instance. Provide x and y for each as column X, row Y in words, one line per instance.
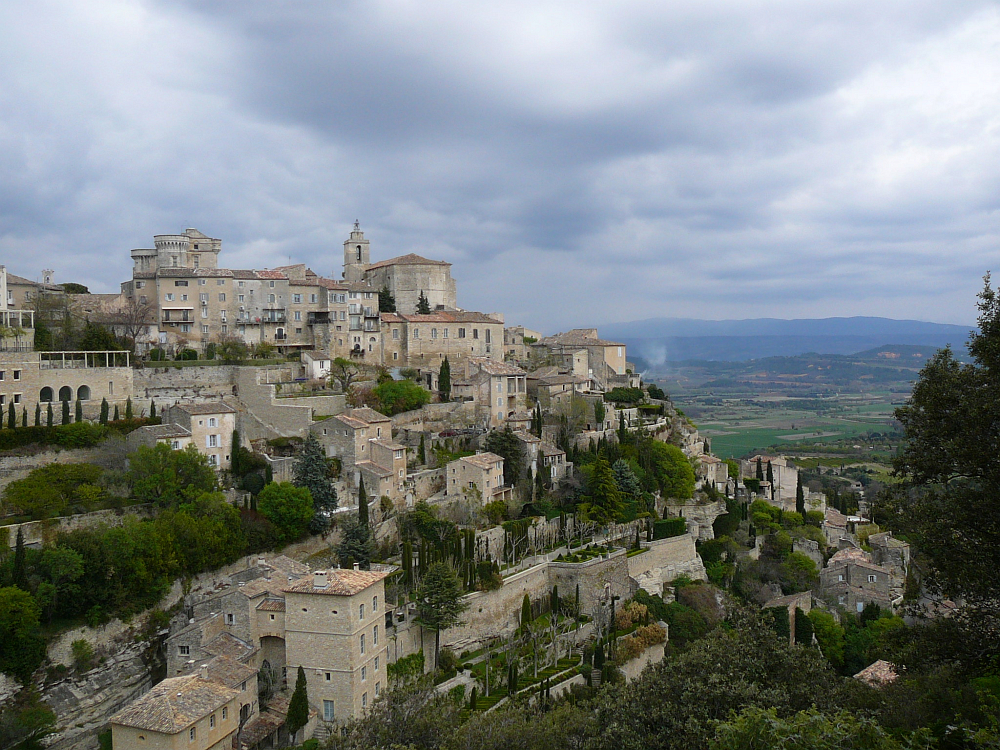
column 356, row 254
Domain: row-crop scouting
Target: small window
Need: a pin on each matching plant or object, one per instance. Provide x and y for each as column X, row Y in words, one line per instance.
column 375, row 635
column 364, row 673
column 230, row 619
column 225, row 713
column 272, row 617
column 328, row 711
column 376, row 664
column 211, row 721
column 871, row 579
column 374, row 604
column 378, row 688
column 184, row 650
column 17, row 374
column 361, row 609
column 222, row 297
column 364, row 701
column 362, row 643
column 329, row 676
column 243, row 686
column 191, row 734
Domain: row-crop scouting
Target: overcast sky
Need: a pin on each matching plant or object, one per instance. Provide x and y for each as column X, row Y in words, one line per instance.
column 576, row 162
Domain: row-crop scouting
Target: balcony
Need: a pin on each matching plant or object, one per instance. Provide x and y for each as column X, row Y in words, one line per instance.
column 179, row 315
column 315, row 318
column 273, row 315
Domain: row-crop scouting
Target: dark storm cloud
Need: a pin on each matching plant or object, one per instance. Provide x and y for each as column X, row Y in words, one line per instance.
column 576, row 162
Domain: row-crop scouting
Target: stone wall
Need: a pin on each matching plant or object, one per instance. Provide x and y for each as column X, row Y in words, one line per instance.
column 665, row 560
column 594, row 578
column 37, row 532
column 652, row 655
column 167, row 385
column 700, row 516
column 436, row 417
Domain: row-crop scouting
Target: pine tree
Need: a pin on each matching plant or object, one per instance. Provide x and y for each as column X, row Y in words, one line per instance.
column 423, row 306
column 444, row 380
column 78, row 411
column 104, row 411
column 605, row 498
column 11, row 416
column 152, row 409
column 439, row 602
column 49, row 416
column 312, row 470
column 20, row 573
column 65, row 412
column 38, row 414
column 800, row 498
column 386, row 301
column 362, row 504
column 298, row 706
column 128, row 408
column 115, row 418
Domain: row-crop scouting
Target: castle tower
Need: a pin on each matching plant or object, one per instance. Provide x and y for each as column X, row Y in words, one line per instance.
column 356, row 255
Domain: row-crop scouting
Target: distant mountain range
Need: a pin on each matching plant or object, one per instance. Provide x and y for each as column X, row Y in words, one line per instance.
column 656, row 341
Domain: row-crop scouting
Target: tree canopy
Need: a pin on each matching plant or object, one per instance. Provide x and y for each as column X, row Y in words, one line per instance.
column 288, row 507
column 312, row 471
column 169, row 477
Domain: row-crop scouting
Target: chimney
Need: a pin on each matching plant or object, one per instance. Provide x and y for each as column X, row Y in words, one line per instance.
column 357, row 566
column 261, row 561
column 203, row 671
column 320, row 579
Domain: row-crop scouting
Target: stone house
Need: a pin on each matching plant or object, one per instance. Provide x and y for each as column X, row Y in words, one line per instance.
column 514, row 346
column 893, row 555
column 554, row 459
column 192, row 712
column 362, row 439
column 481, row 475
column 786, row 478
column 211, row 426
column 173, row 435
column 605, row 360
column 498, row 389
column 715, row 471
column 423, row 341
column 792, row 602
column 851, row 580
column 335, row 630
column 19, row 293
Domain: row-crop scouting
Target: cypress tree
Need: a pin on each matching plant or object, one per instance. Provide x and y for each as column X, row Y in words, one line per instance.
column 526, row 617
column 472, row 699
column 444, row 380
column 362, row 503
column 49, row 416
column 770, row 474
column 800, row 498
column 24, row 416
column 11, row 416
column 152, row 409
column 298, row 706
column 760, row 470
column 407, row 563
column 421, row 451
column 65, row 412
column 554, row 601
column 20, row 572
column 104, row 411
column 38, row 414
column 128, row 408
column 78, row 411
column 115, row 418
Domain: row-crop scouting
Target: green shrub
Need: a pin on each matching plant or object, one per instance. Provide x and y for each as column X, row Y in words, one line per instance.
column 669, row 527
column 624, row 395
column 157, row 355
column 83, row 654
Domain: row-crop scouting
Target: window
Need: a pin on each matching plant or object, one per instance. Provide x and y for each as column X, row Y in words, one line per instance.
column 461, row 333
column 444, row 333
column 225, row 712
column 361, row 609
column 475, row 333
column 191, row 734
column 184, row 650
column 395, row 334
column 222, row 296
column 375, row 635
column 3, row 373
column 197, row 260
column 362, row 643
column 241, row 284
column 184, row 298
column 243, row 686
column 213, row 460
column 434, row 333
column 230, row 619
column 213, row 441
column 329, row 676
column 376, row 664
column 17, row 398
column 204, row 329
column 185, row 328
column 871, row 579
column 204, row 313
column 298, row 315
column 169, row 297
column 270, row 298
column 416, row 333
column 211, row 421
column 180, row 283
column 203, row 297
column 17, row 374
column 374, row 604
column 211, row 721
column 364, row 701
column 271, row 284
column 220, row 282
column 378, row 688
column 313, row 298
column 202, row 282
column 364, row 673
column 140, row 284
column 272, row 617
column 327, row 710
column 242, row 298
column 297, row 298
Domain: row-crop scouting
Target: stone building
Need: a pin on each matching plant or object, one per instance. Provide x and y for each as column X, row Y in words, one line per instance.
column 605, row 360
column 362, row 439
column 172, row 435
column 423, row 341
column 192, row 712
column 786, row 478
column 335, row 630
column 480, row 475
column 516, row 341
column 851, row 580
column 498, row 389
column 211, row 426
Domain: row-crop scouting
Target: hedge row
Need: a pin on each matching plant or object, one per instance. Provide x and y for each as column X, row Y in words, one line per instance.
column 75, row 435
column 669, row 527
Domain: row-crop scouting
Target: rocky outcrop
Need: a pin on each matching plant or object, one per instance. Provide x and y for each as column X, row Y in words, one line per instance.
column 84, row 702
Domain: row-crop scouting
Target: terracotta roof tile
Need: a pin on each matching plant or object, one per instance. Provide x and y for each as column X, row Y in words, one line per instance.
column 410, row 259
column 175, row 704
column 340, row 582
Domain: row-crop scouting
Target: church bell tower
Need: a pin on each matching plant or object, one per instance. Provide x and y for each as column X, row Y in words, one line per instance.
column 356, row 255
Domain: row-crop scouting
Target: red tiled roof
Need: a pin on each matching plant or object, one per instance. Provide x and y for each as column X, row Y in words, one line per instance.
column 410, row 259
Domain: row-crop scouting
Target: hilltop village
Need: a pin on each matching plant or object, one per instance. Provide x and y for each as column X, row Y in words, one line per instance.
column 240, row 505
